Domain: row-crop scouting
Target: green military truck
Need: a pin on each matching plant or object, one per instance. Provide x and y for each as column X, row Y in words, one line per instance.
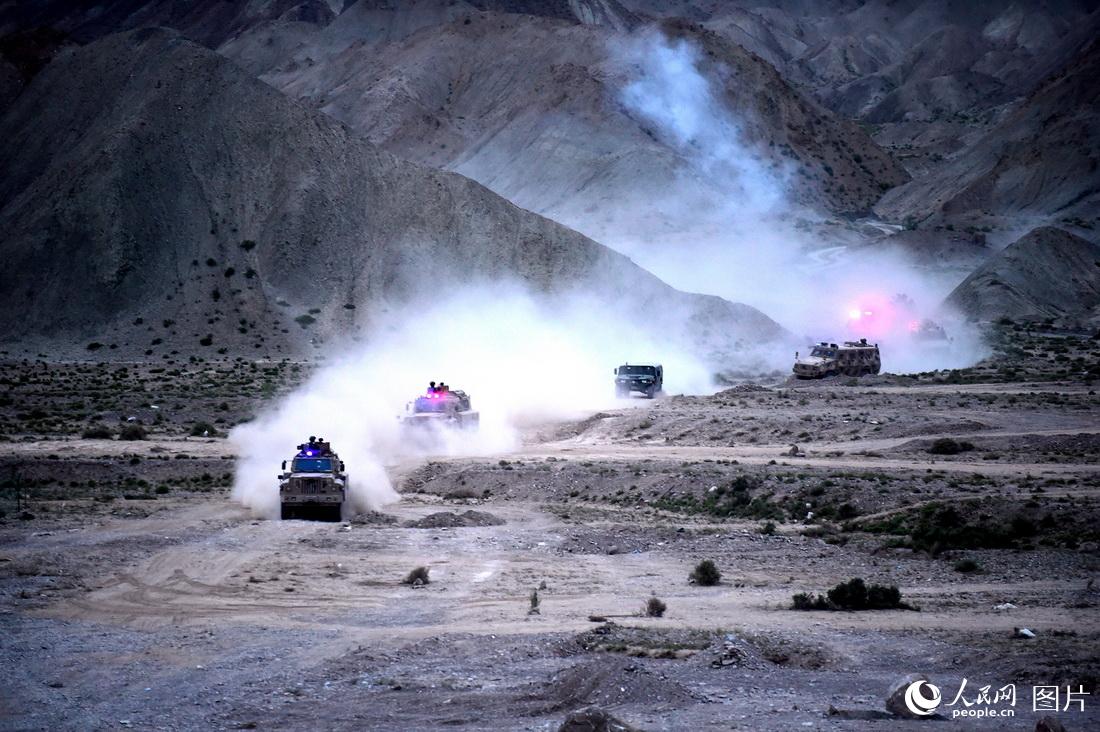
column 646, row 379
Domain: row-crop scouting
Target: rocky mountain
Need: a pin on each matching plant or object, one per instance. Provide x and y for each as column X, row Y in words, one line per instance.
column 174, row 203
column 1041, row 160
column 944, row 86
column 22, row 55
column 209, row 22
column 891, row 61
column 533, row 107
column 639, row 123
column 1048, row 273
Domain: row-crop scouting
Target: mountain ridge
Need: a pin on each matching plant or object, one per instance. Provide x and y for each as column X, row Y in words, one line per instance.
column 176, row 196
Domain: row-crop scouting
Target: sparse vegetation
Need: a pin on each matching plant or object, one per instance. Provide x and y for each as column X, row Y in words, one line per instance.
column 733, row 499
column 655, row 607
column 705, row 574
column 132, row 432
column 939, row 528
column 417, row 577
column 203, row 429
column 852, row 595
column 967, row 566
column 947, row 446
column 97, row 432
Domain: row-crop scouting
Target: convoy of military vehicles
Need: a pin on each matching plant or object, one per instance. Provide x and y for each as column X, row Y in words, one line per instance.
column 316, row 486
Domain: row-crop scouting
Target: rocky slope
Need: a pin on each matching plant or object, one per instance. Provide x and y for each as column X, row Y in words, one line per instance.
column 209, row 22
column 175, row 203
column 533, row 108
column 1042, row 160
column 1049, row 273
column 885, row 61
column 990, row 107
column 942, row 85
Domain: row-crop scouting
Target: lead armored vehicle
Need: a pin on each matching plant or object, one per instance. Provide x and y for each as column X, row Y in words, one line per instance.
column 854, row 358
column 316, row 486
column 648, row 379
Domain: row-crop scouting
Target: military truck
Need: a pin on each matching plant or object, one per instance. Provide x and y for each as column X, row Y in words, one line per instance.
column 648, row 379
column 854, row 358
column 442, row 406
column 316, row 486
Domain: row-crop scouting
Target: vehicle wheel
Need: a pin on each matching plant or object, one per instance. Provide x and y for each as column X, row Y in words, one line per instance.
column 622, row 393
column 650, row 393
column 286, row 513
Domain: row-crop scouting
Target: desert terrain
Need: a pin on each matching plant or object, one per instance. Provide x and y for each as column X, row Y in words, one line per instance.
column 136, row 594
column 227, row 226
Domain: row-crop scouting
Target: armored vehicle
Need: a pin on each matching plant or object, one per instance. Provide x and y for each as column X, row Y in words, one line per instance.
column 315, row 487
column 648, row 379
column 854, row 358
column 442, row 406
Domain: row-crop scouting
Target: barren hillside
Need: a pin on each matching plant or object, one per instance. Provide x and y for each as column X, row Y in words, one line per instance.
column 532, row 107
column 1049, row 273
column 943, row 86
column 900, row 62
column 209, row 22
column 1040, row 161
column 176, row 203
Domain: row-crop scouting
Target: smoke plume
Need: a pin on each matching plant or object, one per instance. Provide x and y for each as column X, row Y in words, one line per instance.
column 730, row 227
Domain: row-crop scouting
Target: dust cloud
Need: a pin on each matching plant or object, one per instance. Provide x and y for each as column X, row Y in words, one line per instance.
column 523, row 359
column 747, row 241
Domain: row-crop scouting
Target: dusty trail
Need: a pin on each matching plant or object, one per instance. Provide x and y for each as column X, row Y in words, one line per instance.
column 831, row 454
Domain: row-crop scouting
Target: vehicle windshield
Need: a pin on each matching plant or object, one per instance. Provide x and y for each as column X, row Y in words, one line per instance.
column 823, row 352
column 637, row 371
column 312, row 465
